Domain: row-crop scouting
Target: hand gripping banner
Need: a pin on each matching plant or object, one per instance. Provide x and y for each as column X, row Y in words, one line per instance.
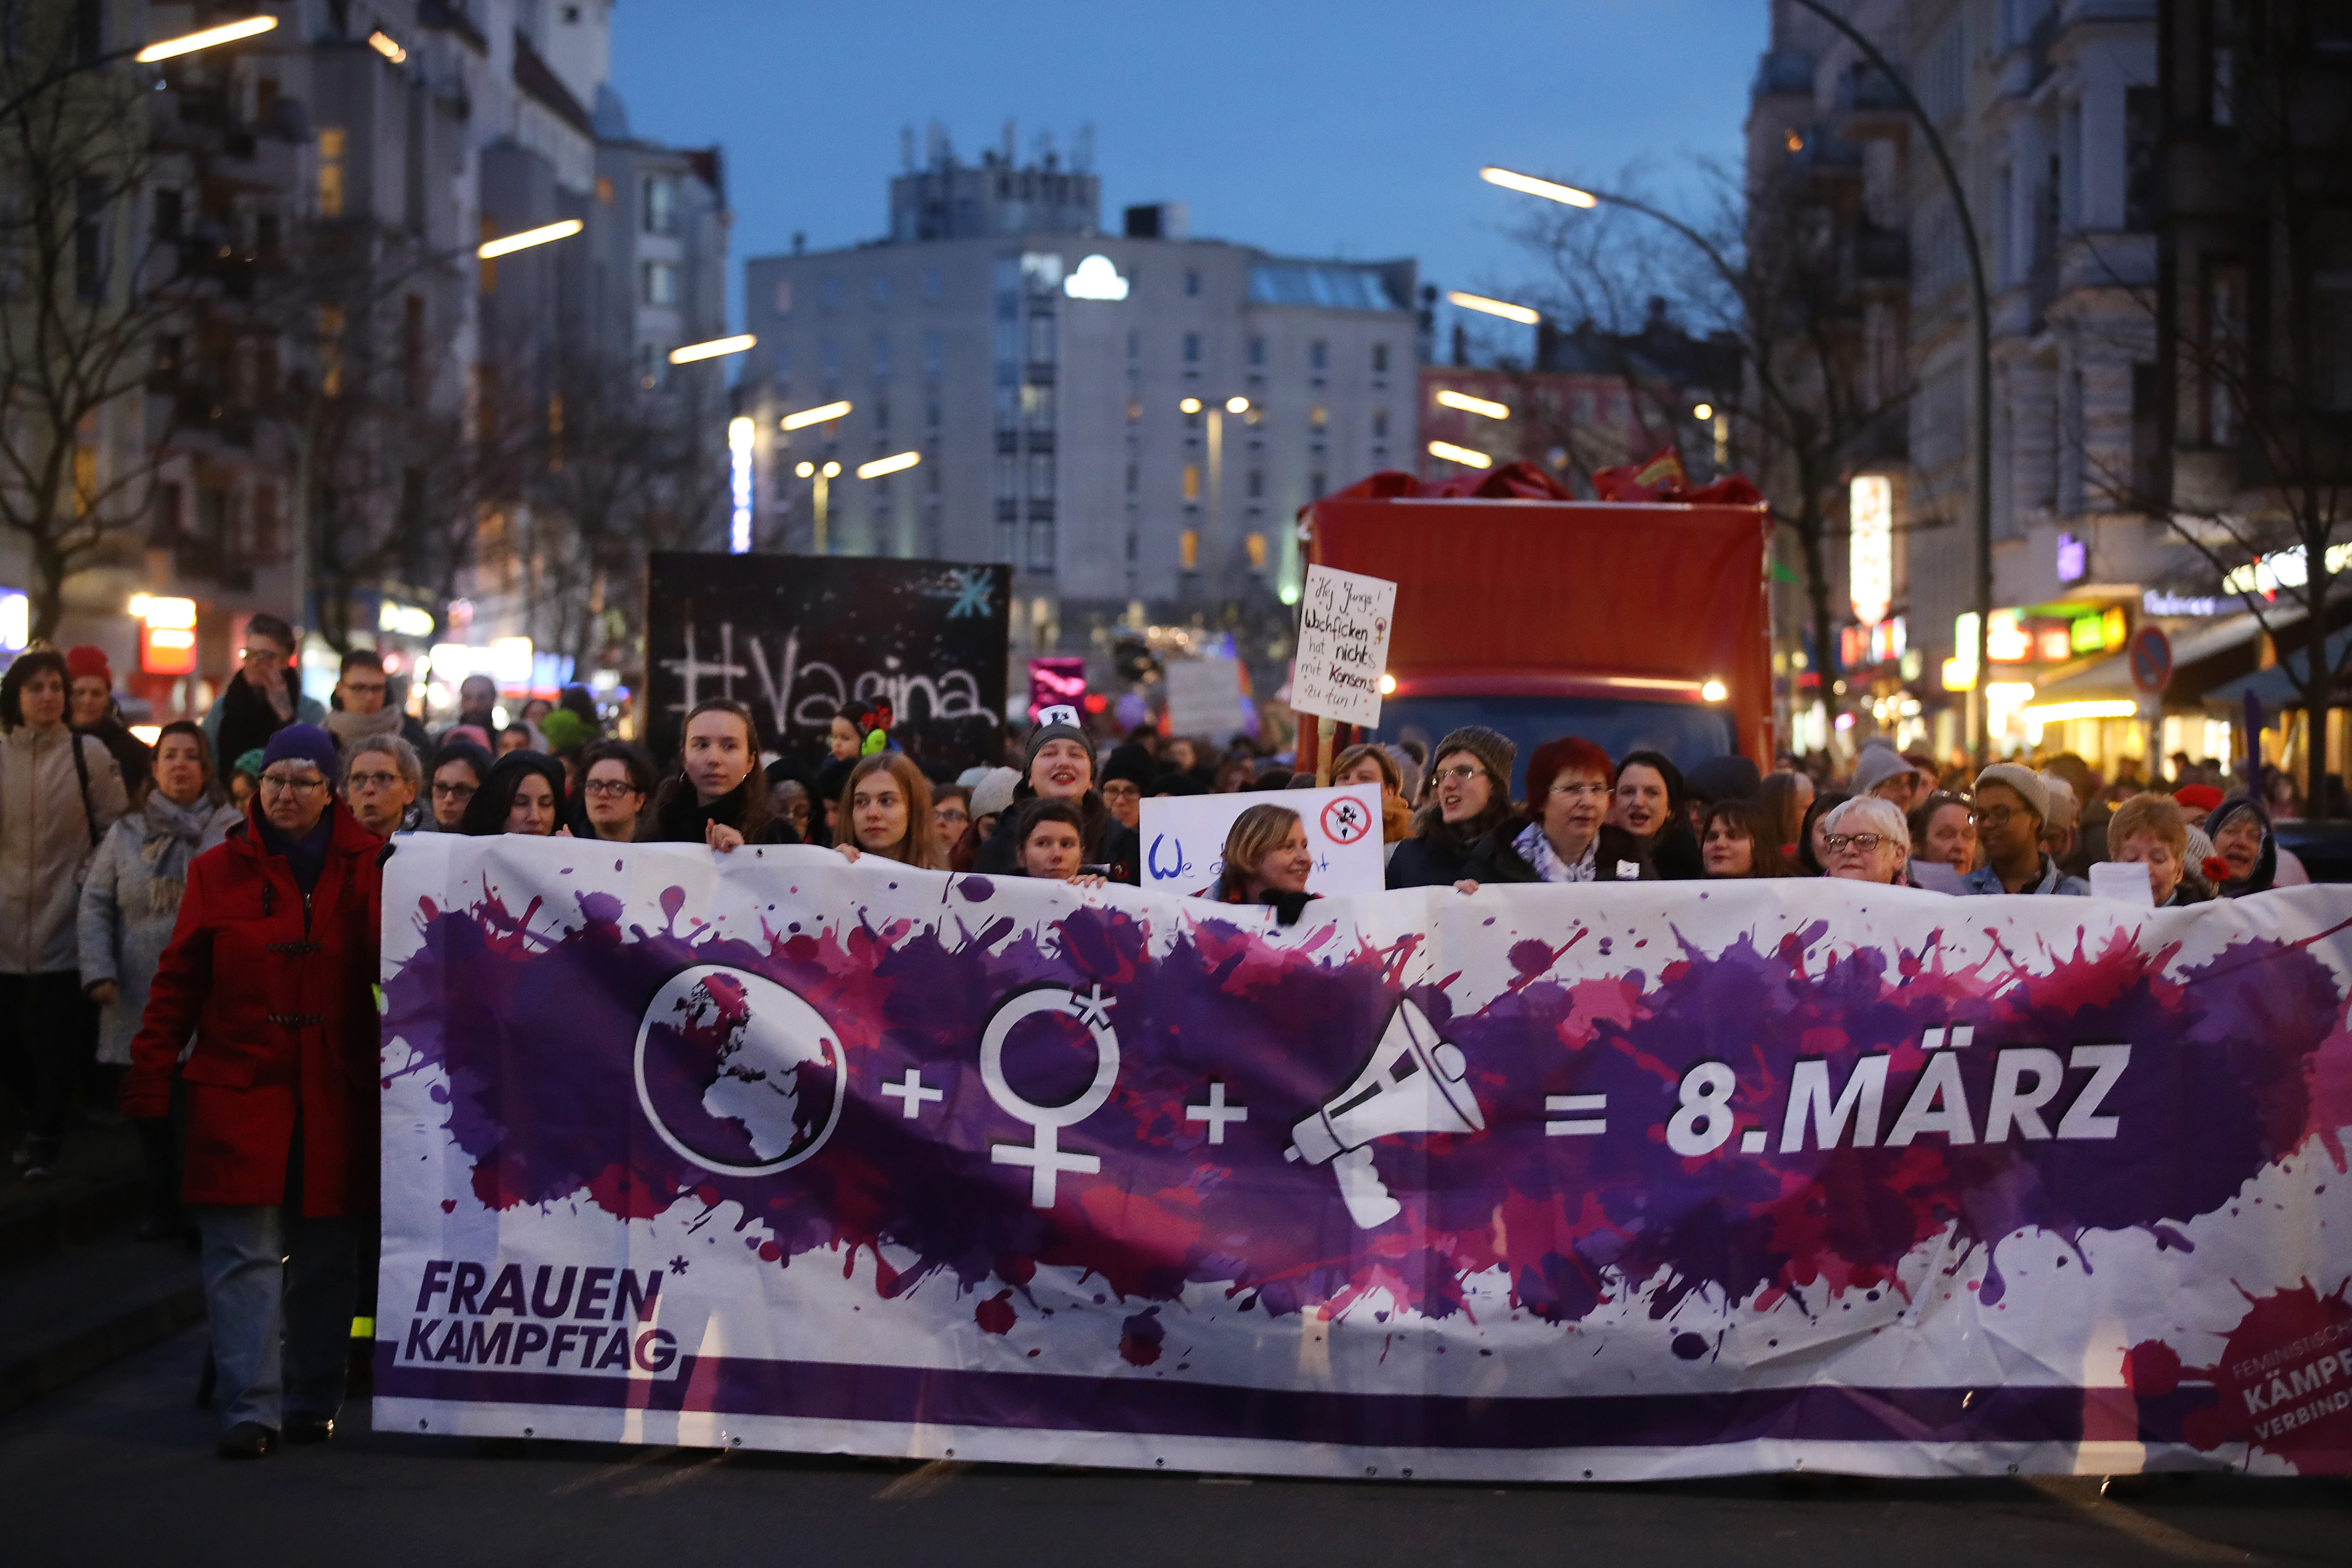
column 774, row 1151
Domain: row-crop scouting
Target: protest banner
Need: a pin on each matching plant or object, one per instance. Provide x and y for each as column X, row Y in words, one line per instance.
column 1344, row 622
column 1184, row 838
column 801, row 638
column 1541, row 1183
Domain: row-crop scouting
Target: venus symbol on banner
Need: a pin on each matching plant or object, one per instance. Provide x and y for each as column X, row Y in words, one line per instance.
column 1043, row 1155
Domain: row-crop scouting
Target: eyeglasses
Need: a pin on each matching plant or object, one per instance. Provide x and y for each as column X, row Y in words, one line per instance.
column 1573, row 790
column 372, row 781
column 263, row 654
column 279, row 784
column 453, row 790
column 1994, row 816
column 607, row 789
column 1867, row 843
column 1462, row 775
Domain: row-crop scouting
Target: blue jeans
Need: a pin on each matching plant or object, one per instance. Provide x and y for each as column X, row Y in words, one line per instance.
column 268, row 1271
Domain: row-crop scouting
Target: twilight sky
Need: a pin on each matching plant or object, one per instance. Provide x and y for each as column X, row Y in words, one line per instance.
column 1352, row 130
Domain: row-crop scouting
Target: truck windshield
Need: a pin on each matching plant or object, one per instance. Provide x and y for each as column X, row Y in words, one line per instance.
column 1685, row 732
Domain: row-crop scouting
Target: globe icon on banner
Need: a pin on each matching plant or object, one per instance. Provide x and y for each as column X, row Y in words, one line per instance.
column 738, row 1074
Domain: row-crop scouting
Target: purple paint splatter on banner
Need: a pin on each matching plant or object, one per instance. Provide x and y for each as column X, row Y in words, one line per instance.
column 537, row 1034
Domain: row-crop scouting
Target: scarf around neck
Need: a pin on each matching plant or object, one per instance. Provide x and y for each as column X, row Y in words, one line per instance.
column 347, row 727
column 169, row 837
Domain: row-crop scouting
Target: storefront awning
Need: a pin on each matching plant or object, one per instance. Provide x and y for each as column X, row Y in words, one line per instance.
column 2110, row 677
column 2277, row 688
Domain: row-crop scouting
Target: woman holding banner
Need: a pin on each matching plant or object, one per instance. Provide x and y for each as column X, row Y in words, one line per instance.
column 1473, row 790
column 1061, row 766
column 1561, row 836
column 887, row 807
column 719, row 796
column 1267, row 861
column 524, row 793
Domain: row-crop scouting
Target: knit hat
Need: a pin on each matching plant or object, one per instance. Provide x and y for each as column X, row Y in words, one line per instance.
column 87, row 660
column 565, row 729
column 1056, row 723
column 249, row 763
column 1132, row 763
column 2023, row 780
column 304, row 744
column 1496, row 752
column 992, row 795
column 2065, row 811
column 1879, row 764
column 2198, row 797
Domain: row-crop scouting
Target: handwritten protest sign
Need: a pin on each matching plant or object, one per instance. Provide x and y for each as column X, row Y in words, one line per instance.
column 1344, row 621
column 1204, row 697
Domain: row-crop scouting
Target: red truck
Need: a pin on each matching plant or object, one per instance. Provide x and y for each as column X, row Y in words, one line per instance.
column 1629, row 623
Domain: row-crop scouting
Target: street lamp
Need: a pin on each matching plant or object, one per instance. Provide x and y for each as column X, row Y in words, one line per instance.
column 1448, row 398
column 491, row 249
column 823, row 414
column 716, row 348
column 148, row 54
column 822, row 488
column 1502, row 307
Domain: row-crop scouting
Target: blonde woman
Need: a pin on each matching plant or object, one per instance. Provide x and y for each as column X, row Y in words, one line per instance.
column 886, row 810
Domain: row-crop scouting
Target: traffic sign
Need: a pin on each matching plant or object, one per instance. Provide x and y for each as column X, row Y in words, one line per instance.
column 2151, row 659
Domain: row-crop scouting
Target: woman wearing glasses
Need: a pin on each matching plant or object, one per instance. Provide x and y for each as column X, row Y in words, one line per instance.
column 1867, row 840
column 272, row 969
column 1562, row 835
column 458, row 770
column 1471, row 787
column 616, row 779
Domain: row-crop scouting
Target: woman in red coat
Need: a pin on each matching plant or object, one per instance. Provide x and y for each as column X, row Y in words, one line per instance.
column 271, row 967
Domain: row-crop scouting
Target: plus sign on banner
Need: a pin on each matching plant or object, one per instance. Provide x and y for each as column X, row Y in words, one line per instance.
column 1184, row 838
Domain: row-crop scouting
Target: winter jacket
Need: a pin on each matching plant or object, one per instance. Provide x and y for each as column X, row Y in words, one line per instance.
column 279, row 990
column 1495, row 858
column 128, row 912
column 132, row 754
column 262, row 717
column 46, row 836
column 2052, row 882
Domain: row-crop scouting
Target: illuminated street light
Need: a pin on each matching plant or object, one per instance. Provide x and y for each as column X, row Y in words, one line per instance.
column 491, row 249
column 831, row 470
column 819, row 416
column 895, row 463
column 1462, row 455
column 1704, row 411
column 715, row 349
column 1237, row 405
column 1549, row 190
column 806, row 470
column 1191, row 405
column 189, row 43
column 1469, row 405
column 383, row 43
column 1502, row 307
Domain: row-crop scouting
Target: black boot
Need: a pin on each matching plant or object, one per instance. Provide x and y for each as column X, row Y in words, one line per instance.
column 248, row 1440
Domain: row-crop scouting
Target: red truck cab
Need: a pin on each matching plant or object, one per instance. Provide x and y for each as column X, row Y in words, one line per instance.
column 1630, row 624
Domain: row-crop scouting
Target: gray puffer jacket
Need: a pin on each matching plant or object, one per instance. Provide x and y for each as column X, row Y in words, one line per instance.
column 47, row 833
column 130, row 902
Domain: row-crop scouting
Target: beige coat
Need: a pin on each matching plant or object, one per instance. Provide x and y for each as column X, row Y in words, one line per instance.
column 44, row 839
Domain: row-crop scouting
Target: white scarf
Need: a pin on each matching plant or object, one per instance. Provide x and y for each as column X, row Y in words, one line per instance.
column 1537, row 850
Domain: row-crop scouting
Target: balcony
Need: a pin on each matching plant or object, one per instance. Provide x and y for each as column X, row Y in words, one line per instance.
column 1871, row 106
column 1881, row 255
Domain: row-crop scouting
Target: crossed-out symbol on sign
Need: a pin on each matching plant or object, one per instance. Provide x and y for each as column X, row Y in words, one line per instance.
column 1044, row 1154
column 1346, row 820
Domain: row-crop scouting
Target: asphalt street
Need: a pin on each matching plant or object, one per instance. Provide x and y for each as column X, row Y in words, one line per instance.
column 120, row 1468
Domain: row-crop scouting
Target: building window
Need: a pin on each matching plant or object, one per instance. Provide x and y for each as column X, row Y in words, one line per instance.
column 1040, row 340
column 1255, row 544
column 168, row 217
column 1192, row 280
column 331, row 172
column 1318, row 355
column 832, row 362
column 1134, row 477
column 1191, row 481
column 1008, row 476
column 881, row 355
column 934, row 352
column 1380, row 359
column 1318, row 416
column 661, row 283
column 881, row 288
column 1380, row 423
column 604, row 192
column 1191, row 348
column 1041, row 476
column 1316, row 484
column 1257, row 351
column 1037, row 404
column 1041, row 545
column 784, row 296
column 1257, row 484
column 881, row 415
column 833, row 293
column 1188, row 549
column 930, row 283
column 661, row 205
column 1134, row 409
column 1134, row 344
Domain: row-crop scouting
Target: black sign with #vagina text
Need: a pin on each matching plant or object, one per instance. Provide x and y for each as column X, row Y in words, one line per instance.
column 801, row 638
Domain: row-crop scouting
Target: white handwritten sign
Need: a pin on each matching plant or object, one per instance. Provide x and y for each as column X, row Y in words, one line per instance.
column 1184, row 838
column 1344, row 621
column 1204, row 697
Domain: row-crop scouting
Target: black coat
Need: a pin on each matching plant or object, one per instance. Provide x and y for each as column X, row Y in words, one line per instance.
column 1495, row 858
column 1675, row 853
column 678, row 817
column 1431, row 861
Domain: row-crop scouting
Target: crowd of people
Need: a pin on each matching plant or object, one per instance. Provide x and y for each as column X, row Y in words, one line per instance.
column 189, row 928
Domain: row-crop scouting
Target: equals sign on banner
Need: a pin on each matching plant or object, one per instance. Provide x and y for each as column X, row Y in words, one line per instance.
column 1577, row 1126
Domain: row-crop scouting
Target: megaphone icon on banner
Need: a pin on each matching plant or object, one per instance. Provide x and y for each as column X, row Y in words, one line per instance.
column 1416, row 1082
